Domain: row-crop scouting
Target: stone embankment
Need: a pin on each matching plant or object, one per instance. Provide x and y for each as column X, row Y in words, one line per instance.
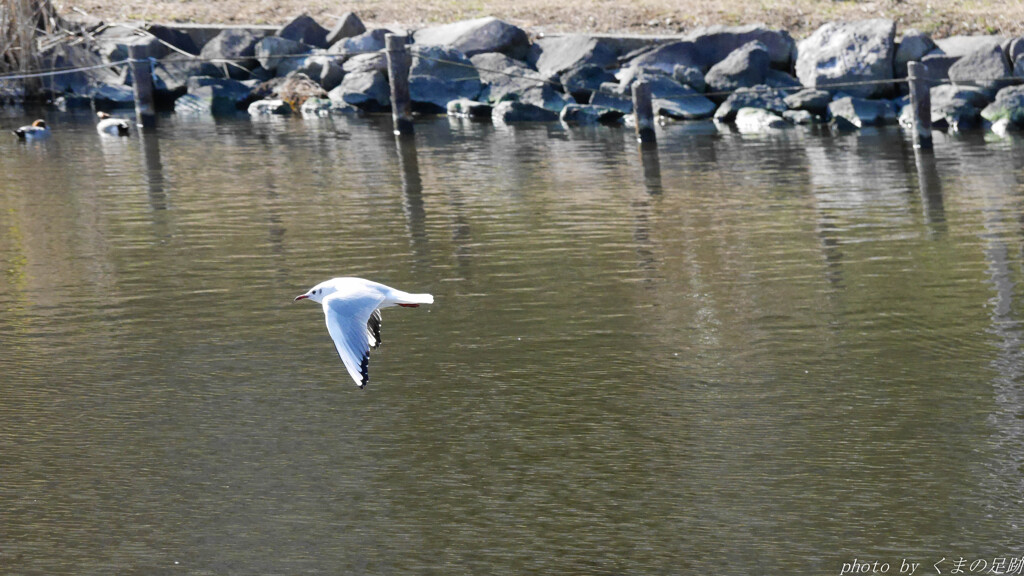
column 851, row 74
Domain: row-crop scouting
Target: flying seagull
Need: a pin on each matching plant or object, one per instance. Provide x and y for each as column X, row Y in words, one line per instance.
column 352, row 308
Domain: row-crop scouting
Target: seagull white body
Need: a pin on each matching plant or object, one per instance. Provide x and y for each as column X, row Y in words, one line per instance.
column 35, row 131
column 352, row 310
column 111, row 126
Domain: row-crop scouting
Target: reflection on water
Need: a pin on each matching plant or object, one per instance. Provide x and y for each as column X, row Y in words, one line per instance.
column 731, row 354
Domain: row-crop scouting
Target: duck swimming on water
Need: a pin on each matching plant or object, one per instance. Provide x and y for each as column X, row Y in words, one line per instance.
column 36, row 130
column 111, row 126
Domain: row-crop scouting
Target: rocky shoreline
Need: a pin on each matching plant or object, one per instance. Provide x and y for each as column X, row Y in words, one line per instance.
column 849, row 74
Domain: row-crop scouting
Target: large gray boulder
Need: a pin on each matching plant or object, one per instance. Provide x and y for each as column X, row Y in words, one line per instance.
column 552, row 56
column 370, row 62
column 217, row 96
column 368, row 91
column 507, row 79
column 170, row 78
column 272, row 50
column 986, row 67
column 174, row 37
column 717, row 42
column 231, row 53
column 959, row 46
column 665, row 58
column 690, row 76
column 1008, row 106
column 588, row 115
column 810, row 99
column 911, row 48
column 369, row 41
column 439, row 75
column 509, row 111
column 348, row 25
column 862, row 112
column 843, row 52
column 581, row 82
column 763, row 97
column 955, row 107
column 675, row 100
column 472, row 37
column 757, row 120
column 745, row 67
column 305, row 29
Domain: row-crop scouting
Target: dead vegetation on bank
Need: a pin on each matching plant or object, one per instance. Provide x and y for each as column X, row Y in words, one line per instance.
column 938, row 18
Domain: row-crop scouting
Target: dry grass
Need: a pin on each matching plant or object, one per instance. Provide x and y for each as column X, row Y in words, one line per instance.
column 800, row 17
column 21, row 22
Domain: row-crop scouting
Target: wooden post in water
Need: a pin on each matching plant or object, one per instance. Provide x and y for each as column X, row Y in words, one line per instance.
column 643, row 112
column 399, row 61
column 920, row 105
column 142, row 86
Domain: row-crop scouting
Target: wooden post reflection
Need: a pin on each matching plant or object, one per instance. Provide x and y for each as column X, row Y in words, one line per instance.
column 652, row 167
column 412, row 189
column 930, row 187
column 154, row 169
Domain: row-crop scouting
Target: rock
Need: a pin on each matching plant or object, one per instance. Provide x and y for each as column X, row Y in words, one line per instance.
column 717, row 42
column 937, row 65
column 582, row 81
column 234, row 45
column 297, row 88
column 348, row 26
column 690, row 76
column 507, row 79
column 170, row 78
column 117, row 49
column 959, row 46
column 269, row 107
column 306, row 30
column 331, row 74
column 218, row 96
column 578, row 114
column 372, row 62
column 911, row 48
column 801, row 117
column 677, row 101
column 606, row 100
column 839, row 52
column 986, row 68
column 180, row 40
column 106, row 96
column 810, row 99
column 755, row 120
column 466, row 108
column 552, row 56
column 1014, row 49
column 756, row 97
column 508, row 112
column 272, row 50
column 696, row 108
column 368, row 91
column 439, row 75
column 666, row 57
column 862, row 112
column 1008, row 105
column 82, row 82
column 369, row 41
column 745, row 67
column 472, row 37
column 782, row 81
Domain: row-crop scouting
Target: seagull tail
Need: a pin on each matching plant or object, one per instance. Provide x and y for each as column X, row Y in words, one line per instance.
column 411, row 300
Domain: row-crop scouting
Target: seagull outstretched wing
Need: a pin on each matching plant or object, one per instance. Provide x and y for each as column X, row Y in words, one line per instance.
column 349, row 322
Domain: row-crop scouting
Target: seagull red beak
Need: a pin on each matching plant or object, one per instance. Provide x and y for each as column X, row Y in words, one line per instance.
column 300, row 297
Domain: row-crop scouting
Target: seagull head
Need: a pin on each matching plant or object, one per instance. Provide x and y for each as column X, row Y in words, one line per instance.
column 317, row 293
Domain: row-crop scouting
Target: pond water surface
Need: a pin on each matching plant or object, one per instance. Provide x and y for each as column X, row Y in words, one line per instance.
column 737, row 355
